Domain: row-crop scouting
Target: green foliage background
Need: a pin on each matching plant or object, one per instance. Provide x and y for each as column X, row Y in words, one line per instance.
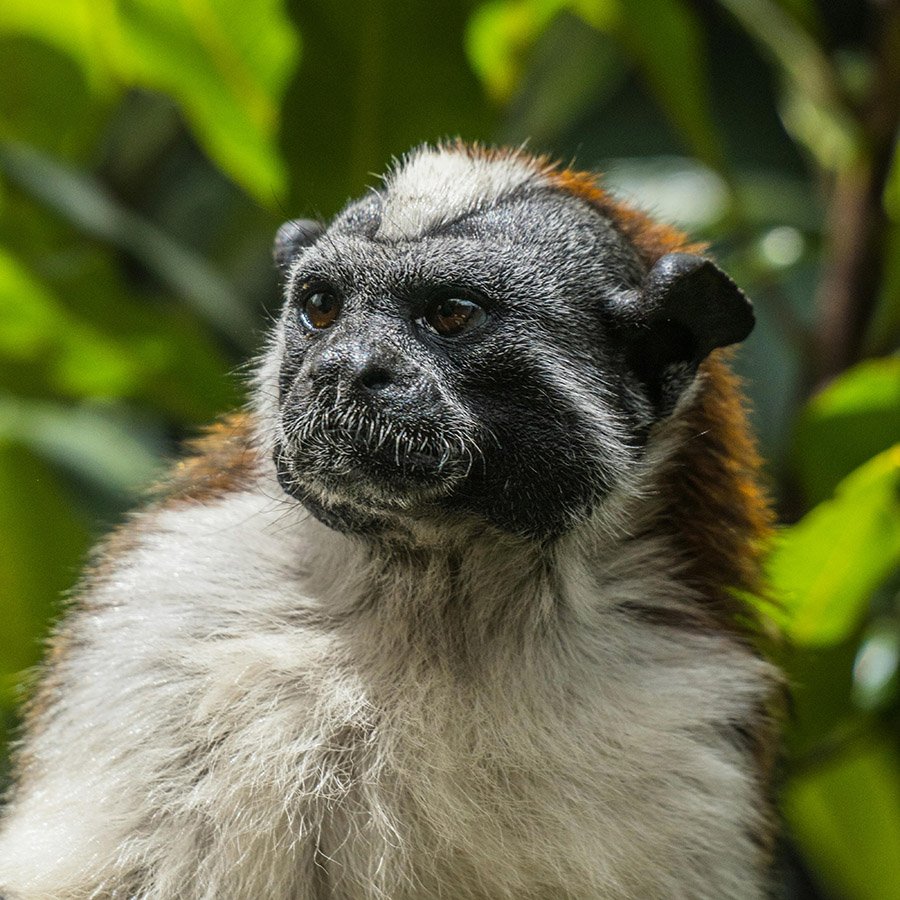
column 149, row 149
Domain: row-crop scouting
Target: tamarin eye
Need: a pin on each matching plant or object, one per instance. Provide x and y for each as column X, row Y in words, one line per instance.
column 454, row 315
column 319, row 309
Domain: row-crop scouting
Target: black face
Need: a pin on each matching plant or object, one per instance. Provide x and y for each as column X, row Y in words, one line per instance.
column 484, row 370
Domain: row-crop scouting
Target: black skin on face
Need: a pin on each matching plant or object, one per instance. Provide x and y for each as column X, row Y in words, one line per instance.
column 541, row 463
column 535, row 471
column 538, row 470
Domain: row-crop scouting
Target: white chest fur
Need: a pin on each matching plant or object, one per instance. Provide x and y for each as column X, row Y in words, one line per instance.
column 260, row 709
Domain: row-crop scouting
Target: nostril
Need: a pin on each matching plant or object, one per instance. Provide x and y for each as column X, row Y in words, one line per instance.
column 375, row 378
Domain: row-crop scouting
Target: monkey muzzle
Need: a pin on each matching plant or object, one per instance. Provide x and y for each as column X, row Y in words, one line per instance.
column 370, row 432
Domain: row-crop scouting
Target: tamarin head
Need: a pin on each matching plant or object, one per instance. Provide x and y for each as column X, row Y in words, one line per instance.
column 479, row 339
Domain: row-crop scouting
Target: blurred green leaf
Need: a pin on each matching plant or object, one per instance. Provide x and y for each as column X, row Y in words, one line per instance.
column 73, row 26
column 96, row 442
column 892, row 185
column 827, row 566
column 815, row 110
column 226, row 77
column 821, row 685
column 876, row 668
column 104, row 347
column 366, row 92
column 52, row 106
column 664, row 38
column 678, row 189
column 855, row 417
column 83, row 200
column 34, row 327
column 846, row 817
column 804, row 12
column 884, row 329
column 572, row 67
column 769, row 198
column 823, row 129
column 667, row 41
column 43, row 545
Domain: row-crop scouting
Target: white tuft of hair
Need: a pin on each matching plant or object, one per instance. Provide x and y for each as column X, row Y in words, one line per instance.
column 432, row 186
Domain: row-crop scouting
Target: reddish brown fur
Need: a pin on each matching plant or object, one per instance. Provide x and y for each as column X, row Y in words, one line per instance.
column 722, row 522
column 221, row 461
column 718, row 513
column 649, row 238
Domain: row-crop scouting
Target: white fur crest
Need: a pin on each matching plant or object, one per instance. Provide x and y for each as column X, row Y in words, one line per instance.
column 433, row 186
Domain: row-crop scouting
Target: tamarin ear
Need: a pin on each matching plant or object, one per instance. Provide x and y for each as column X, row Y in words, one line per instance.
column 686, row 308
column 293, row 236
column 692, row 292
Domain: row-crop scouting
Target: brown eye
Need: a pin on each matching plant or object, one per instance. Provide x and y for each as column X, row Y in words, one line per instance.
column 319, row 309
column 454, row 315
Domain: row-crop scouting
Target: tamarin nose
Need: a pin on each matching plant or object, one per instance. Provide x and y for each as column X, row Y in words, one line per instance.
column 371, row 372
column 375, row 377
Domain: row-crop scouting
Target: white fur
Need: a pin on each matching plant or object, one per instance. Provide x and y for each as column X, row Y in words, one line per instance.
column 432, row 187
column 258, row 707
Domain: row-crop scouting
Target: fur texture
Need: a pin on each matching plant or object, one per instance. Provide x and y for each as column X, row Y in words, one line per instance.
column 508, row 664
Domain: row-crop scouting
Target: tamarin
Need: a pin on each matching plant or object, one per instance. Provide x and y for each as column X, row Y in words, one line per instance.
column 458, row 607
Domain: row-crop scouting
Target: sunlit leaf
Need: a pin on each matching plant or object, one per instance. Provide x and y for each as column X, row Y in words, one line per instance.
column 855, row 417
column 502, row 32
column 72, row 26
column 827, row 566
column 227, row 78
column 845, row 815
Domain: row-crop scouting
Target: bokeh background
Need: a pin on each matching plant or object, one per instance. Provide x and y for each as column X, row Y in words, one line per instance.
column 149, row 149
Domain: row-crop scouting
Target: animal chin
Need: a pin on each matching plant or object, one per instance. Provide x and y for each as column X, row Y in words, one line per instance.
column 369, row 466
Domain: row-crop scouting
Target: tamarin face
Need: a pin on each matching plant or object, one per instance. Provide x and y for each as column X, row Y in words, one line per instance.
column 473, row 340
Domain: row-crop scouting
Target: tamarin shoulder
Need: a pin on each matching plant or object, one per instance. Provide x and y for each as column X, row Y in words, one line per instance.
column 223, row 459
